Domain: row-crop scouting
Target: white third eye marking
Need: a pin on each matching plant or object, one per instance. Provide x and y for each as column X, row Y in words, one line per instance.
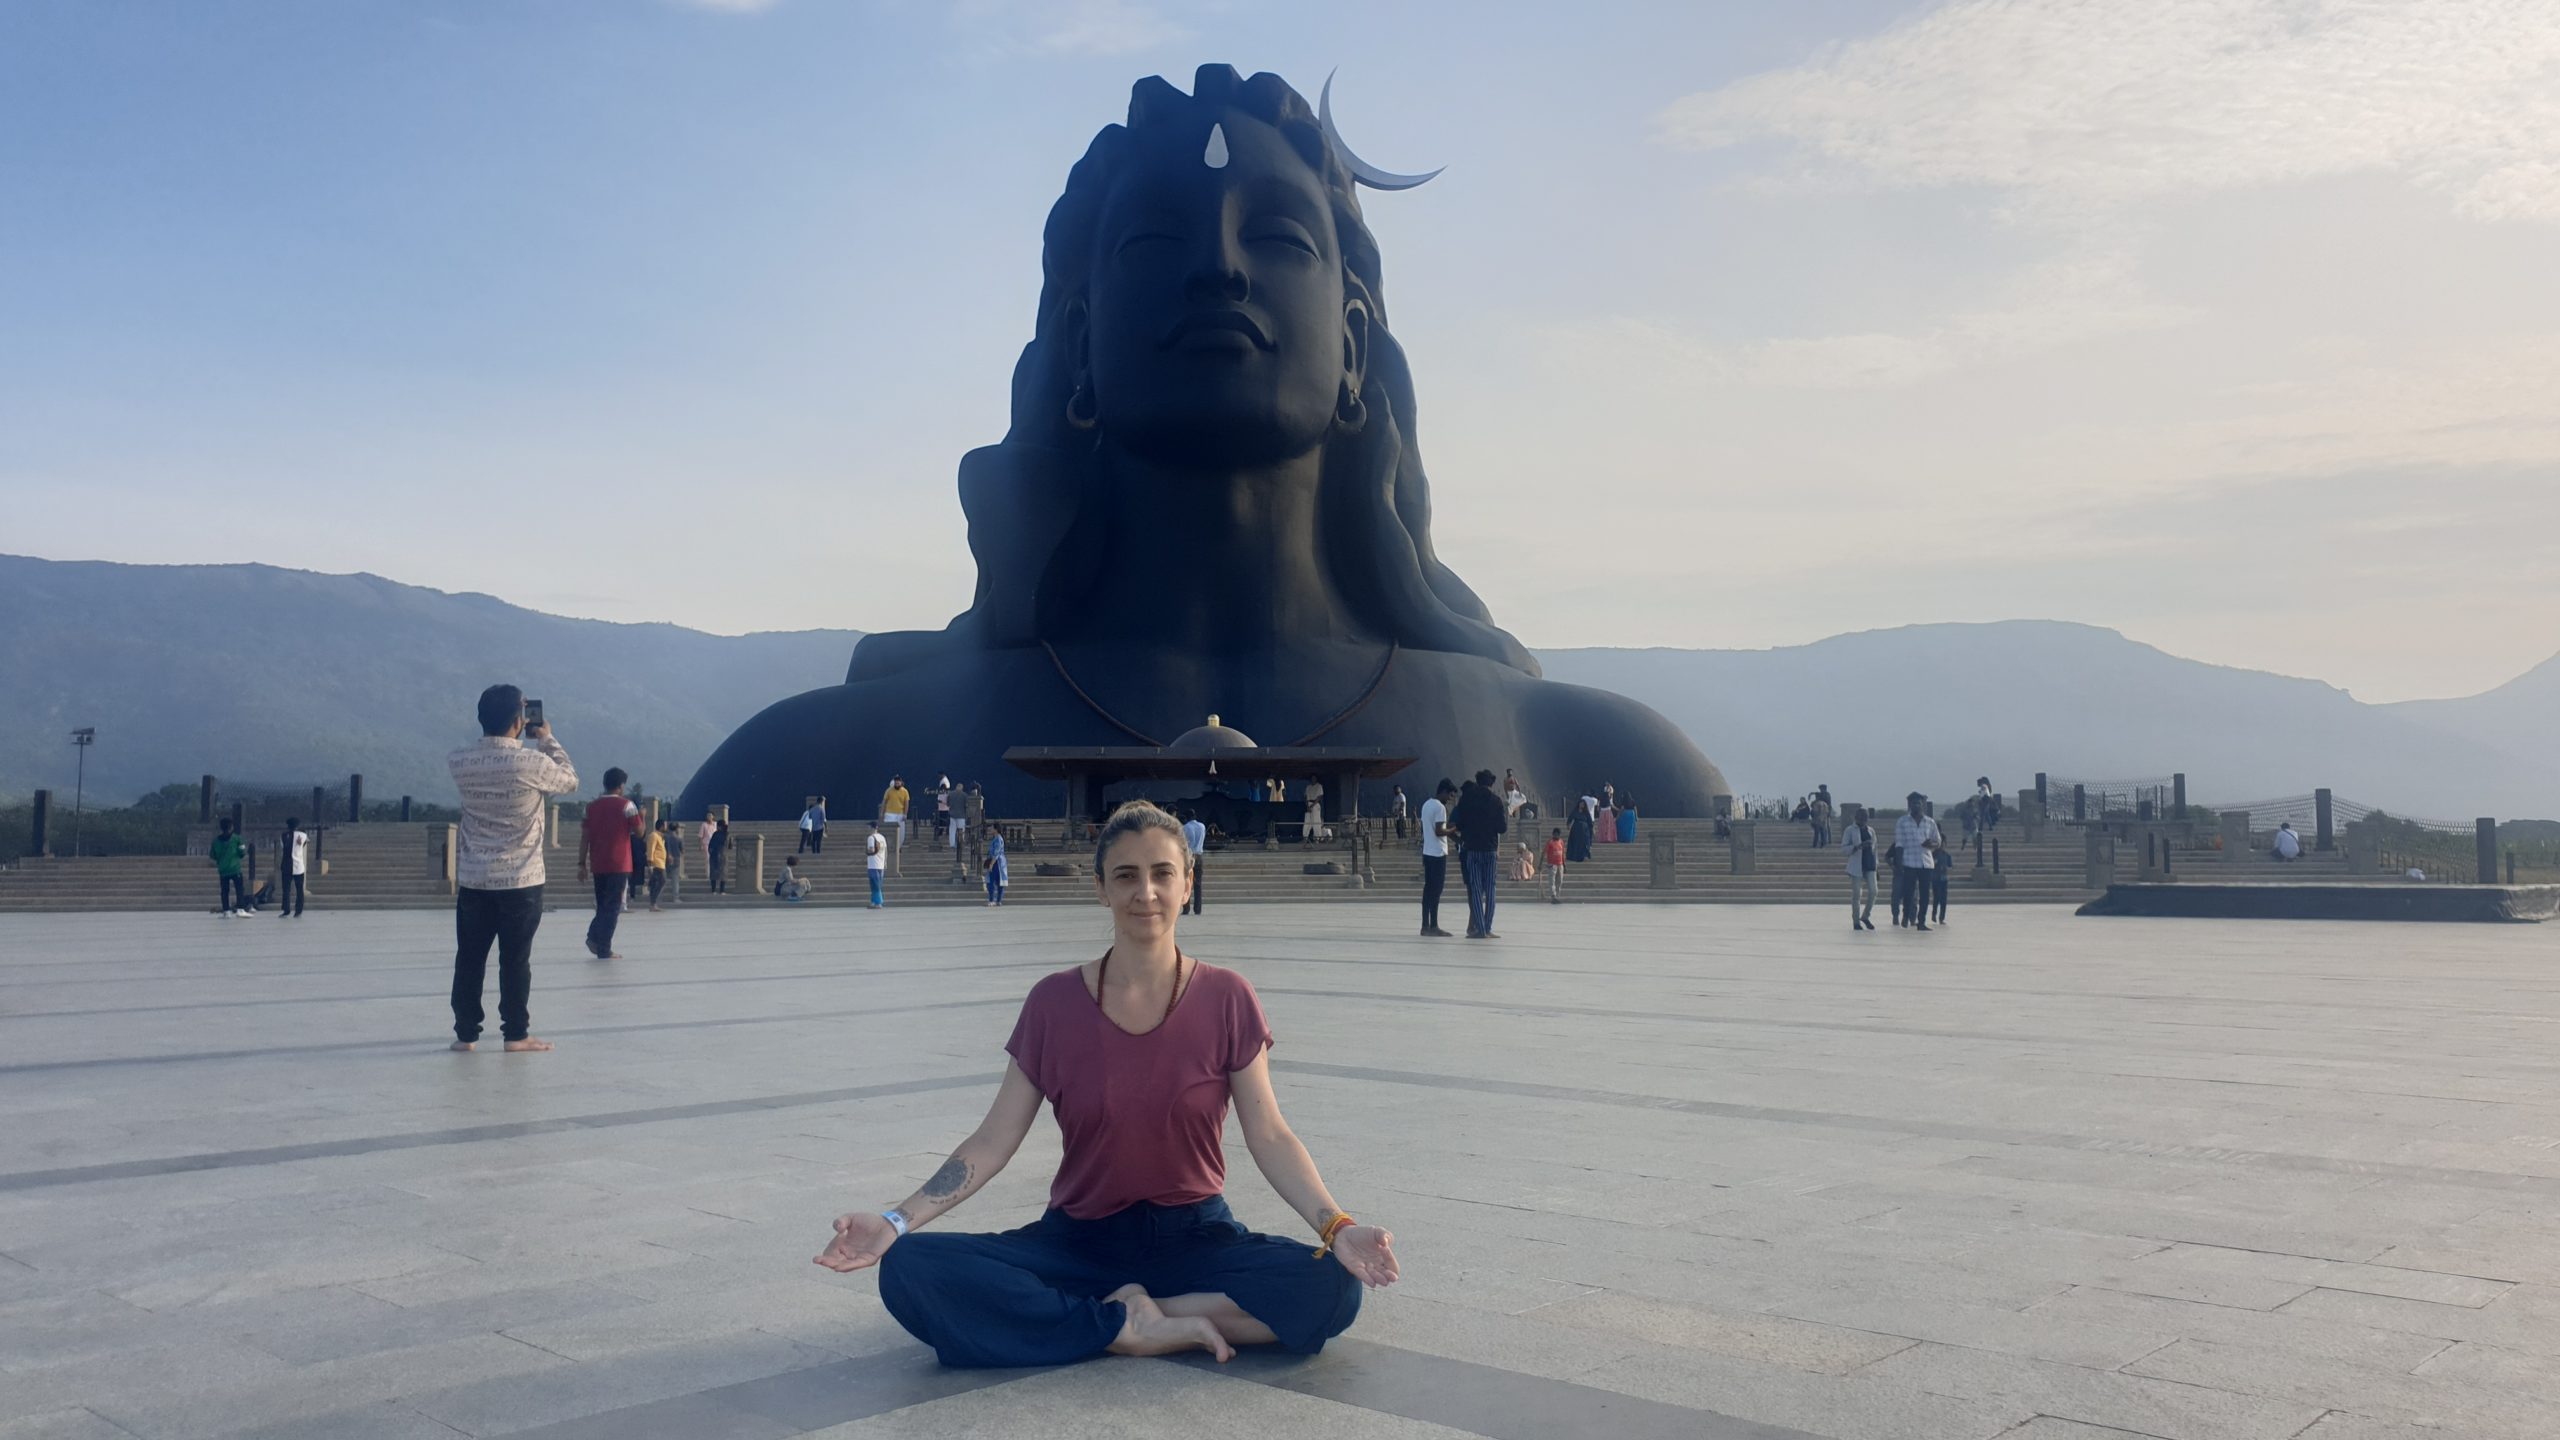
column 1215, row 157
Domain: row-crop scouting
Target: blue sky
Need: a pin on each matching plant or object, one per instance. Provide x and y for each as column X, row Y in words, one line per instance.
column 2231, row 323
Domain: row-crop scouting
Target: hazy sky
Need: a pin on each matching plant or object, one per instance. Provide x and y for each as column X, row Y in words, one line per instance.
column 2234, row 324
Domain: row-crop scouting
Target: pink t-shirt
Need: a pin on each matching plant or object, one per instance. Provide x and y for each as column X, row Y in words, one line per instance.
column 1141, row 1115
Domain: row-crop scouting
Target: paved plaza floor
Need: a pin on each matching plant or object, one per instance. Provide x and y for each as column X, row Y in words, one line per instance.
column 1698, row 1172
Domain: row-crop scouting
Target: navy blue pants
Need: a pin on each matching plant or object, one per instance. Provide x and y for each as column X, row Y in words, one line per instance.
column 1033, row 1296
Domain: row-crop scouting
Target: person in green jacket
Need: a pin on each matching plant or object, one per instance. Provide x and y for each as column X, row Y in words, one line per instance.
column 227, row 852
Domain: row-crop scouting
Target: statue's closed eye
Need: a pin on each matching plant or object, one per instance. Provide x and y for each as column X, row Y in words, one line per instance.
column 1146, row 237
column 1281, row 232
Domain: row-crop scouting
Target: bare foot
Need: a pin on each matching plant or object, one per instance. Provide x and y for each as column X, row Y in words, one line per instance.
column 462, row 1045
column 530, row 1042
column 1149, row 1331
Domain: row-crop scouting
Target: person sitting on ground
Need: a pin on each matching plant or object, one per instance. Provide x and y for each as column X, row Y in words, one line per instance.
column 2287, row 845
column 791, row 886
column 1137, row 1253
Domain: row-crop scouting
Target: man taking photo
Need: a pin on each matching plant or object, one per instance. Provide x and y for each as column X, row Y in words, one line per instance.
column 497, row 869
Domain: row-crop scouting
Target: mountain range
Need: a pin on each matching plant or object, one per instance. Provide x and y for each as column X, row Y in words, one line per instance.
column 287, row 678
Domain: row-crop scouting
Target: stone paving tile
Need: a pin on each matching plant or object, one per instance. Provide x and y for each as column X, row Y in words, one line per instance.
column 2152, row 1316
column 2526, row 1318
column 2046, row 1427
column 634, row 1377
column 1776, row 1340
column 308, row 1392
column 1132, row 1400
column 1854, row 1407
column 2447, row 1403
column 2146, row 1405
column 74, row 1424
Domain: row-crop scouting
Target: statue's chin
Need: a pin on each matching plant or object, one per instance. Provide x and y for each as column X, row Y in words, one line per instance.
column 1214, row 442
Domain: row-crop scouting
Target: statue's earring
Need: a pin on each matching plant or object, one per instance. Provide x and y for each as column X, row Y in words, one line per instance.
column 1081, row 413
column 1349, row 409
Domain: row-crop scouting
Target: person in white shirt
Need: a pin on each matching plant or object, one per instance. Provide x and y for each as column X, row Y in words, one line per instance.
column 2287, row 845
column 1435, row 855
column 1314, row 829
column 497, row 864
column 1915, row 832
column 1195, row 838
column 297, row 850
column 875, row 864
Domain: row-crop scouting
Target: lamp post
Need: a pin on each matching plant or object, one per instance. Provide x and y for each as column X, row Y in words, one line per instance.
column 81, row 739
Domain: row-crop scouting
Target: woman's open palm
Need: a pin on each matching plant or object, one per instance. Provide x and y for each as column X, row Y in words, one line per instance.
column 1368, row 1252
column 860, row 1239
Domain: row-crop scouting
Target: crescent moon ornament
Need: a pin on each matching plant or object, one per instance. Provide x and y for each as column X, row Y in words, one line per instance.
column 1361, row 170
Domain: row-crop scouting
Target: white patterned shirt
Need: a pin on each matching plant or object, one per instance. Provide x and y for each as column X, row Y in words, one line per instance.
column 503, row 785
column 1911, row 835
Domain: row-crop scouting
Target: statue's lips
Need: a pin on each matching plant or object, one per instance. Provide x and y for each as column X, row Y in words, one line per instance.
column 1209, row 329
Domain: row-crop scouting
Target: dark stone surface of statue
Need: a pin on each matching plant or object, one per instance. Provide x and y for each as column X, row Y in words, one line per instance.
column 1210, row 500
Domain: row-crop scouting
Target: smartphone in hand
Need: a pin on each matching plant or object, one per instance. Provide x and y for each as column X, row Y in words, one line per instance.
column 533, row 715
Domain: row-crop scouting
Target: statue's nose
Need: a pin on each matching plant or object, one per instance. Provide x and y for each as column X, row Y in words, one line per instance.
column 1218, row 274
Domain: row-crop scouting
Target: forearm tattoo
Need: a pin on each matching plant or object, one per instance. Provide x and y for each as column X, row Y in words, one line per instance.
column 948, row 1181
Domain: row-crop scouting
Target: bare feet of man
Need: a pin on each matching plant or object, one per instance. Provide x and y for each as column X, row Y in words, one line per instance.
column 463, row 1045
column 530, row 1042
column 1149, row 1331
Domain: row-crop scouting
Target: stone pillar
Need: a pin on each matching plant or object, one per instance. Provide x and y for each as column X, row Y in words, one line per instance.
column 451, row 848
column 2364, row 851
column 204, row 801
column 404, row 809
column 2031, row 814
column 355, row 799
column 755, row 847
column 319, row 804
column 2485, row 846
column 1746, row 847
column 551, row 826
column 2235, row 836
column 2142, row 811
column 2323, row 839
column 1666, row 873
column 2079, row 802
column 2156, row 868
column 2178, row 796
column 38, row 844
column 2098, row 857
column 2043, row 797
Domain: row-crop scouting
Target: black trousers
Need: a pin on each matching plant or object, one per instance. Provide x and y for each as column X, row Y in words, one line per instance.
column 1199, row 868
column 718, row 869
column 289, row 899
column 235, row 893
column 1910, row 895
column 609, row 890
column 1435, row 878
column 508, row 919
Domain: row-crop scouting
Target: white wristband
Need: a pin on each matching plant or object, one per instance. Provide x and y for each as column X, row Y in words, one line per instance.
column 896, row 1221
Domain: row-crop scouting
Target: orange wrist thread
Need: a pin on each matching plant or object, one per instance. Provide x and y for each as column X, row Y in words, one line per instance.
column 1335, row 1226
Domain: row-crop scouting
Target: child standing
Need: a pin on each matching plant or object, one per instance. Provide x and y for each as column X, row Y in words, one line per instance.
column 997, row 874
column 657, row 857
column 1555, row 867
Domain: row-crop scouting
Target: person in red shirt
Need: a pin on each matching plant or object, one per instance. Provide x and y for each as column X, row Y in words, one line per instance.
column 1138, row 1053
column 1555, row 866
column 612, row 819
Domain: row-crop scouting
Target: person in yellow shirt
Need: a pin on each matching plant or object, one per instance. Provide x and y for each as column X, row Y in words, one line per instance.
column 893, row 818
column 657, row 862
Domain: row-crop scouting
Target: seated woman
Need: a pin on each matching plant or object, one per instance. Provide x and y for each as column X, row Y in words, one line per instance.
column 1138, row 1054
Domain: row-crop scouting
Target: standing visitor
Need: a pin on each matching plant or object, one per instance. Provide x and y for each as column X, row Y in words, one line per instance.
column 1435, row 855
column 942, row 807
column 1915, row 842
column 973, row 813
column 875, row 865
column 1138, row 1253
column 611, row 820
column 998, row 873
column 1821, row 821
column 1195, row 838
column 639, row 873
column 1858, row 843
column 893, row 817
column 1605, row 824
column 1314, row 830
column 1941, row 870
column 226, row 853
column 1577, row 836
column 675, row 862
column 1396, row 806
column 1555, row 866
column 297, row 851
column 1626, row 819
column 1480, row 823
column 715, row 851
column 813, row 828
column 498, row 870
column 657, row 860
